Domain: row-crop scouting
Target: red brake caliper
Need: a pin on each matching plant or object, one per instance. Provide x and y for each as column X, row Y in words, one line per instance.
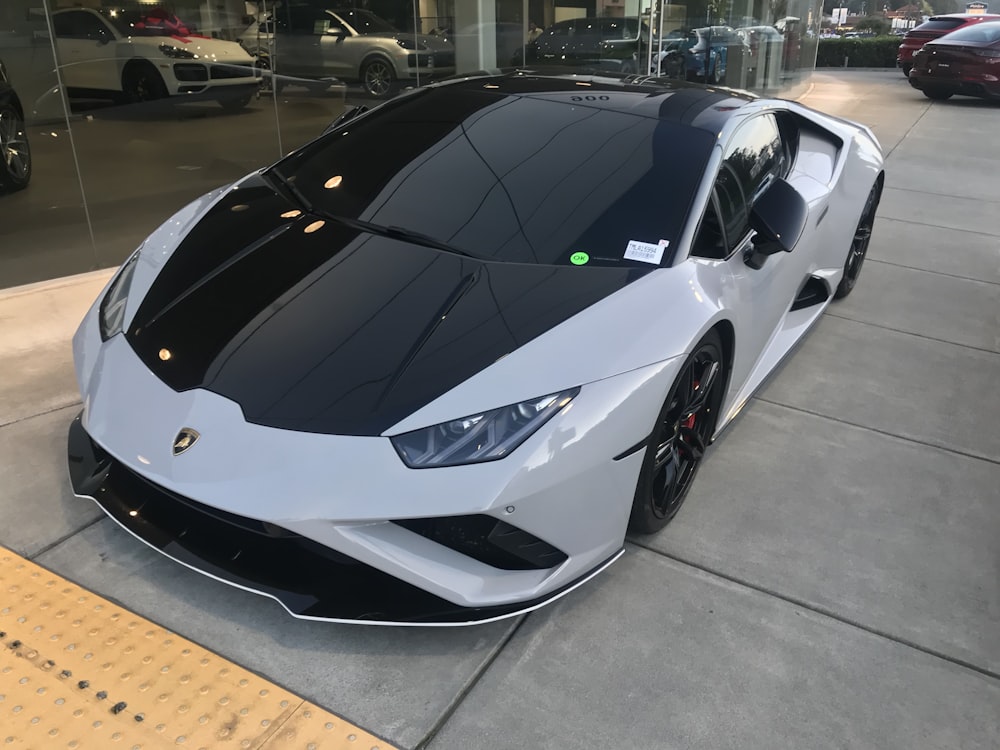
column 689, row 422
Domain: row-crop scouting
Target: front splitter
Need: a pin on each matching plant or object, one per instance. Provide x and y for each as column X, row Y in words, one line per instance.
column 309, row 580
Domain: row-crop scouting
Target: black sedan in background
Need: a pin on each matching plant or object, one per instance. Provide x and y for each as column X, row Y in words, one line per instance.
column 15, row 154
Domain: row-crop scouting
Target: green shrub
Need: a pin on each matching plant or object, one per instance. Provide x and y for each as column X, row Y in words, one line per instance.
column 861, row 52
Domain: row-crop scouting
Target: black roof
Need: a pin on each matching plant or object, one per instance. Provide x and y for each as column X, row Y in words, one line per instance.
column 704, row 107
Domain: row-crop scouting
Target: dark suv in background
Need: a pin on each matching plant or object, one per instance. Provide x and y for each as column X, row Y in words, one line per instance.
column 15, row 155
column 614, row 44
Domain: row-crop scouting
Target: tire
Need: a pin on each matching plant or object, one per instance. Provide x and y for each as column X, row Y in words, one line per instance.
column 906, row 68
column 859, row 245
column 142, row 83
column 15, row 152
column 377, row 77
column 680, row 436
column 938, row 95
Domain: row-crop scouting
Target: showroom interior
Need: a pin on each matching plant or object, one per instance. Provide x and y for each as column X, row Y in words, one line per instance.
column 109, row 164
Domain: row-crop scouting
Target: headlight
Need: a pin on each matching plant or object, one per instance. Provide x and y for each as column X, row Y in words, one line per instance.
column 481, row 437
column 176, row 52
column 408, row 44
column 112, row 311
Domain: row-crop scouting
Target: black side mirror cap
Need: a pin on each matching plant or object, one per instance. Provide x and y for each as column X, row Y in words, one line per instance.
column 778, row 217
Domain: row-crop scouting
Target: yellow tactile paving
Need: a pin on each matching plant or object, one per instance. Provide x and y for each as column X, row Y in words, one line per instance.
column 78, row 672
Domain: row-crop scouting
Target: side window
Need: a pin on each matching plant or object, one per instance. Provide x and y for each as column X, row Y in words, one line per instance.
column 79, row 25
column 62, row 24
column 304, row 20
column 754, row 157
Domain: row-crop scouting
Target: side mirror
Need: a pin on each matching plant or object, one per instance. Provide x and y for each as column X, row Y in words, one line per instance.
column 336, row 31
column 778, row 217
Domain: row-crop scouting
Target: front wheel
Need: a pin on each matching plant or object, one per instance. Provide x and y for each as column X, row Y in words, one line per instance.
column 376, row 77
column 15, row 153
column 680, row 436
column 906, row 68
column 859, row 245
column 142, row 83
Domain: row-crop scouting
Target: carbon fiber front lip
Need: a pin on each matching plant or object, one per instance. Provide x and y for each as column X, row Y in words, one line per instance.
column 307, row 579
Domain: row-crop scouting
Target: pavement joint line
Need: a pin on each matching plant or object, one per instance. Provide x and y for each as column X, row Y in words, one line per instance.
column 911, row 333
column 927, row 108
column 68, row 653
column 992, row 235
column 823, row 611
column 935, row 272
column 65, row 537
column 469, row 685
column 936, row 226
column 977, row 199
column 868, row 428
column 53, row 410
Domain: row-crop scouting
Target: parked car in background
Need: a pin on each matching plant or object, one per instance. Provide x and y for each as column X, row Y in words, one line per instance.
column 707, row 55
column 966, row 62
column 615, row 44
column 307, row 42
column 934, row 28
column 15, row 153
column 139, row 56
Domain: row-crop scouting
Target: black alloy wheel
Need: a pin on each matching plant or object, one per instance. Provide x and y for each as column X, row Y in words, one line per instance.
column 15, row 153
column 143, row 83
column 377, row 77
column 859, row 245
column 680, row 437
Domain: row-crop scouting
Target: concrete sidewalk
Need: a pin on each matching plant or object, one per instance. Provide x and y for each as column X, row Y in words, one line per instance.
column 832, row 581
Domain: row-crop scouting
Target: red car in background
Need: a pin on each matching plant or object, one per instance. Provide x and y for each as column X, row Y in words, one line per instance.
column 966, row 62
column 933, row 28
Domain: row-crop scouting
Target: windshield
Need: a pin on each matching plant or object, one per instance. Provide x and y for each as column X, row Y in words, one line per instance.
column 365, row 22
column 461, row 166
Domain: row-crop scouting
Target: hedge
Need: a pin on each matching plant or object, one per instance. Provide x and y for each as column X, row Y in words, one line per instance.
column 861, row 52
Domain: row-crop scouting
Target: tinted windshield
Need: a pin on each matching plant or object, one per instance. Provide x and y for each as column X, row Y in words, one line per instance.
column 364, row 22
column 515, row 178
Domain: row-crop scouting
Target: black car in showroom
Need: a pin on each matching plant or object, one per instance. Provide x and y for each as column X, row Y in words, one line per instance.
column 15, row 154
column 612, row 44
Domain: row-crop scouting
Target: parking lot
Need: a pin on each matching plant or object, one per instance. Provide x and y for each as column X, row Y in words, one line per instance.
column 833, row 579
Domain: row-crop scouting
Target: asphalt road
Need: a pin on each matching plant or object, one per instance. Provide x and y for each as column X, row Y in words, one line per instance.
column 833, row 579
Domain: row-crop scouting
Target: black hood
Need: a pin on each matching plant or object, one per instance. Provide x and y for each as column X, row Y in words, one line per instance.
column 331, row 330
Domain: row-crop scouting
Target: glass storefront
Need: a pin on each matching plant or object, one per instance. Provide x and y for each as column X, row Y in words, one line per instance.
column 116, row 113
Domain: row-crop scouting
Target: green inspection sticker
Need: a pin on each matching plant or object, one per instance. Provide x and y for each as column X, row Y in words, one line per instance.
column 579, row 259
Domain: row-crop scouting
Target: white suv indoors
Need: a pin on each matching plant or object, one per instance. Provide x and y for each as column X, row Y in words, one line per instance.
column 137, row 56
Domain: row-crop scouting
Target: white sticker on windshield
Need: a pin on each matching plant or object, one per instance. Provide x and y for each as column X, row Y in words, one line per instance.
column 647, row 252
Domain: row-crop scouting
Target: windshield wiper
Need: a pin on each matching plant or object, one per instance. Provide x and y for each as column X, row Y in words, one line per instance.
column 392, row 232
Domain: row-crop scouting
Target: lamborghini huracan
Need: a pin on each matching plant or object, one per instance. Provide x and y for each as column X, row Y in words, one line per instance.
column 433, row 366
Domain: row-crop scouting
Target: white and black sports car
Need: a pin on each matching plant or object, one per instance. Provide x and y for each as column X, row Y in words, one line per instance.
column 432, row 366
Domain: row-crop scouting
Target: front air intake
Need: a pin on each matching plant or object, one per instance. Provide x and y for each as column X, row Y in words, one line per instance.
column 489, row 540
